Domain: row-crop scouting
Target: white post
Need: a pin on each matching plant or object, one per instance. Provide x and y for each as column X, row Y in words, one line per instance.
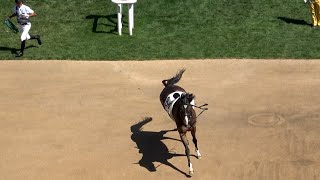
column 119, row 19
column 130, row 4
column 132, row 15
column 130, row 9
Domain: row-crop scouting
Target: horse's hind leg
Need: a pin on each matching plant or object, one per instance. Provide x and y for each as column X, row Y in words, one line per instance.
column 187, row 150
column 195, row 141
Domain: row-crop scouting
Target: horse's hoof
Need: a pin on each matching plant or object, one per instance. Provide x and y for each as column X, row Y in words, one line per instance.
column 190, row 170
column 191, row 173
column 198, row 154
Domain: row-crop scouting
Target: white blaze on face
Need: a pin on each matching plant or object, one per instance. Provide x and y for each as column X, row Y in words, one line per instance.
column 186, row 119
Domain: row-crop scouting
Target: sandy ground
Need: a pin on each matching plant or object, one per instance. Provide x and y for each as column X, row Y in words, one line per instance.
column 80, row 120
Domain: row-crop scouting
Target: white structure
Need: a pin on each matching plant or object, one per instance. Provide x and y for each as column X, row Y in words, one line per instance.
column 130, row 4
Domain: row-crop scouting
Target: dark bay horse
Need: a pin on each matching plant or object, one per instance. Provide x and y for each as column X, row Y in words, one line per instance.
column 180, row 106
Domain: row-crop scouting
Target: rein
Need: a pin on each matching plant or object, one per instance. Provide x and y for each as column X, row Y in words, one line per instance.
column 202, row 107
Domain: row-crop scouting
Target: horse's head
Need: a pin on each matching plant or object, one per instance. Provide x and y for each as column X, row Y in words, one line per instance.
column 186, row 109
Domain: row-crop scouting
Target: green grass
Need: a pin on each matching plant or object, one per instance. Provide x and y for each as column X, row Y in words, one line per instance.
column 167, row 29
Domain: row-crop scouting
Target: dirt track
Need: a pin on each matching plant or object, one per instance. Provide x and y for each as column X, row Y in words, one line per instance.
column 78, row 120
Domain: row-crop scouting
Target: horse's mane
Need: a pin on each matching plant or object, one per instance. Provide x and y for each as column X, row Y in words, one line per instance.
column 188, row 96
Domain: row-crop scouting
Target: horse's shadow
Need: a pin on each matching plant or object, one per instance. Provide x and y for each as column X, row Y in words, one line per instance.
column 152, row 148
column 112, row 22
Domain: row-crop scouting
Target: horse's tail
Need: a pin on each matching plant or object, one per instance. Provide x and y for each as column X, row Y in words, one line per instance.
column 175, row 79
column 138, row 127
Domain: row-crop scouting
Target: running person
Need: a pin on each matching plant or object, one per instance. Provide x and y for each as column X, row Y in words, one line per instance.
column 23, row 14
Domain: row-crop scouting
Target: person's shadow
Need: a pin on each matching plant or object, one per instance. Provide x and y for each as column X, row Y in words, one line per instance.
column 152, row 148
column 112, row 22
column 294, row 21
column 14, row 50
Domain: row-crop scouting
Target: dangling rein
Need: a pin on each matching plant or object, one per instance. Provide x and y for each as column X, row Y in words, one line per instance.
column 202, row 107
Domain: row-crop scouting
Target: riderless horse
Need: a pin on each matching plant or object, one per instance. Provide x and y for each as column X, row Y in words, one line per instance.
column 180, row 107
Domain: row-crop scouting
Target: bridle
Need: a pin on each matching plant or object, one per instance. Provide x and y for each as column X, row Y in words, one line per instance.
column 188, row 116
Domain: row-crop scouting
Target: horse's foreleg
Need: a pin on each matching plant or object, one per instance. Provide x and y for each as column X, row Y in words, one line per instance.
column 195, row 141
column 187, row 151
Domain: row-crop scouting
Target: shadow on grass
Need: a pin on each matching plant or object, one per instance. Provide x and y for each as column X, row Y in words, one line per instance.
column 14, row 50
column 294, row 21
column 152, row 148
column 112, row 22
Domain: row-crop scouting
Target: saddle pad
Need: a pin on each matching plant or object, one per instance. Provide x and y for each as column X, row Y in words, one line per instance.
column 171, row 100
